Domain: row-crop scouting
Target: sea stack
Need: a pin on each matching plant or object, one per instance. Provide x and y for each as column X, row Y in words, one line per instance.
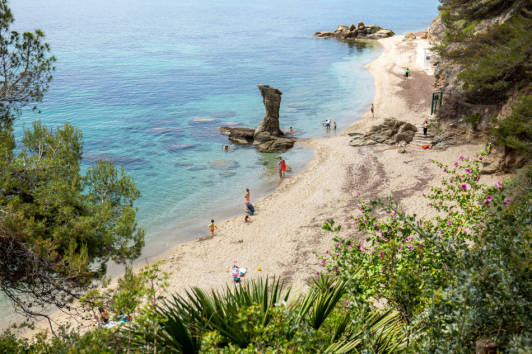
column 269, row 127
column 268, row 136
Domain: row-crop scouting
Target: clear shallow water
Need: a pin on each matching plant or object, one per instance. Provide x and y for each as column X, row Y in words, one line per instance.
column 132, row 75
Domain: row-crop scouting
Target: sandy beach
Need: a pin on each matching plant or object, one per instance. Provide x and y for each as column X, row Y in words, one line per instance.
column 287, row 227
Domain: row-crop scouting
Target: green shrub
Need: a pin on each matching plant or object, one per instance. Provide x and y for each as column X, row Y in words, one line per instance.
column 515, row 131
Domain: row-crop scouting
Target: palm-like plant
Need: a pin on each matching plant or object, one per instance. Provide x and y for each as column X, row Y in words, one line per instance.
column 191, row 316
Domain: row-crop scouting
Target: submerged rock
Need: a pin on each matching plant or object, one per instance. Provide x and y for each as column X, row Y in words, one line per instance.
column 227, row 174
column 361, row 31
column 224, row 164
column 199, row 120
column 178, row 147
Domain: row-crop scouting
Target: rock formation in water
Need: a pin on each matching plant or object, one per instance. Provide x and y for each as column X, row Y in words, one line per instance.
column 269, row 129
column 360, row 31
column 267, row 137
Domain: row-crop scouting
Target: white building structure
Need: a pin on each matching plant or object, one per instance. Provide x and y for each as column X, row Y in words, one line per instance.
column 426, row 59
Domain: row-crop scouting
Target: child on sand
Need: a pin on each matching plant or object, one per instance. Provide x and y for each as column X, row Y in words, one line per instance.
column 247, row 219
column 212, row 226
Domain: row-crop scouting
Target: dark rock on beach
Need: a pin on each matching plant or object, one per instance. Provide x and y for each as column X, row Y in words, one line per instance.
column 361, row 31
column 391, row 131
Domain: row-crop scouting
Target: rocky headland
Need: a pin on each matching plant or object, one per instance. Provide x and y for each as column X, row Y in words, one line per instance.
column 268, row 136
column 360, row 31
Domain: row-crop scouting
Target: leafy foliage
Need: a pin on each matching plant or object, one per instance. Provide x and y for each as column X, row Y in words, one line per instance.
column 515, row 131
column 27, row 67
column 459, row 276
column 58, row 229
column 495, row 59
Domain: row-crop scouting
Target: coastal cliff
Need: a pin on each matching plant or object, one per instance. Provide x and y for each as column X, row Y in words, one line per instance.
column 483, row 73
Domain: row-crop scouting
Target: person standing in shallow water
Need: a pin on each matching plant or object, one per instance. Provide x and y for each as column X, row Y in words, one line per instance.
column 281, row 167
column 291, row 132
column 246, row 196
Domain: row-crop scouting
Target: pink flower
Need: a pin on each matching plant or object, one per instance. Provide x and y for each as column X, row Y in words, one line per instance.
column 499, row 185
column 461, row 158
column 507, row 201
column 455, row 164
column 317, row 274
column 346, row 304
column 489, row 198
column 323, row 263
column 444, row 170
column 327, row 252
column 358, row 193
column 487, row 203
column 350, row 246
column 468, row 170
column 464, row 187
column 480, row 158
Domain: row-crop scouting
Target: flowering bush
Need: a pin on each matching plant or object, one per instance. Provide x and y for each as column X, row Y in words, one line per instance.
column 408, row 261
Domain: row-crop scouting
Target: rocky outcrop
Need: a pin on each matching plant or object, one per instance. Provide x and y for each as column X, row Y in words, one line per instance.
column 409, row 36
column 391, row 131
column 360, row 31
column 239, row 135
column 269, row 129
column 267, row 137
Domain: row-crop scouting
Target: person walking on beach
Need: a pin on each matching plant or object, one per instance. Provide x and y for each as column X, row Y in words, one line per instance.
column 407, row 73
column 246, row 196
column 373, row 110
column 425, row 128
column 281, row 167
column 212, row 226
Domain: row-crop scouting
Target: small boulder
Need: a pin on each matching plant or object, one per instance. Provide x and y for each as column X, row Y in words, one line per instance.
column 360, row 25
column 406, row 136
column 408, row 127
column 401, row 150
column 342, row 28
column 409, row 36
column 352, row 27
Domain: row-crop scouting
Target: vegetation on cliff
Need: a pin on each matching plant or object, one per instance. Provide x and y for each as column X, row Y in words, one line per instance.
column 490, row 42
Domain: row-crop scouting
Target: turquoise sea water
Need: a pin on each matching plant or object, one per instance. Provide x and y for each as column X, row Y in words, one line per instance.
column 132, row 74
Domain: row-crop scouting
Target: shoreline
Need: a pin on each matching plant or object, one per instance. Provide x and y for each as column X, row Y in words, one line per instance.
column 286, row 229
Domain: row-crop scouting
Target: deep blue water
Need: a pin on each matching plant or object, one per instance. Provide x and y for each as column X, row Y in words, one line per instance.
column 133, row 74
